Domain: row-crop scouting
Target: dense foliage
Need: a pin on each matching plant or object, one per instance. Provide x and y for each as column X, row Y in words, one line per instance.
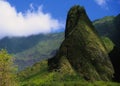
column 29, row 50
column 7, row 70
column 38, row 75
column 85, row 43
column 109, row 26
column 83, row 49
column 44, row 49
column 108, row 44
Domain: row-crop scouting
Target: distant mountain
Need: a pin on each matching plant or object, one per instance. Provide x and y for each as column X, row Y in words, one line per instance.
column 83, row 55
column 105, row 26
column 82, row 51
column 110, row 27
column 45, row 48
column 19, row 44
column 29, row 50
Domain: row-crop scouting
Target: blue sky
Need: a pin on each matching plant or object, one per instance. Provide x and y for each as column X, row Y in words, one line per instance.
column 30, row 17
column 59, row 8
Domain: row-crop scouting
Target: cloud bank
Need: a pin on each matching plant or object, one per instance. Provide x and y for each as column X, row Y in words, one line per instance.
column 13, row 23
column 102, row 3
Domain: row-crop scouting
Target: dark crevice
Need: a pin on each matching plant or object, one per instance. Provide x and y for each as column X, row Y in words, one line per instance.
column 115, row 59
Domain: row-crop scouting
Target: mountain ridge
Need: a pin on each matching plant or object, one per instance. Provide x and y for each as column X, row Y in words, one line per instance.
column 81, row 45
column 83, row 49
column 26, row 53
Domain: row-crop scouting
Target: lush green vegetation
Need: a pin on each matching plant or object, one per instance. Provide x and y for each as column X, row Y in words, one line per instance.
column 38, row 75
column 105, row 26
column 83, row 49
column 108, row 44
column 44, row 49
column 40, row 51
column 109, row 26
column 29, row 50
column 7, row 70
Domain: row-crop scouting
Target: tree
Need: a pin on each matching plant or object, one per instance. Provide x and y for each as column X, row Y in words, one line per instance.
column 7, row 70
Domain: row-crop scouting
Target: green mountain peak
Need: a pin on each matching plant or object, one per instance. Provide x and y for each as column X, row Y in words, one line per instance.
column 82, row 49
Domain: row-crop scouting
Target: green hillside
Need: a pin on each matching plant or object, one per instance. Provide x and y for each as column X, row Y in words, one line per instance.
column 105, row 26
column 66, row 72
column 19, row 44
column 109, row 26
column 29, row 50
column 108, row 43
column 38, row 75
column 35, row 48
column 82, row 49
column 44, row 49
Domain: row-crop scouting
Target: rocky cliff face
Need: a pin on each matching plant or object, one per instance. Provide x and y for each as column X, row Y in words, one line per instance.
column 82, row 51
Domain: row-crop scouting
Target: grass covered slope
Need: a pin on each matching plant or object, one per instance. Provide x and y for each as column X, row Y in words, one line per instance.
column 83, row 49
column 38, row 75
column 109, row 45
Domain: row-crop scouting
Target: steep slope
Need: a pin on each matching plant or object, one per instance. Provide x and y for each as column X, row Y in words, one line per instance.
column 38, row 75
column 117, row 33
column 105, row 26
column 45, row 48
column 108, row 44
column 115, row 53
column 83, row 49
column 29, row 50
column 19, row 44
column 109, row 26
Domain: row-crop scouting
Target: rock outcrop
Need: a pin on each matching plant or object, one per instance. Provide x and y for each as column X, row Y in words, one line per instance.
column 82, row 51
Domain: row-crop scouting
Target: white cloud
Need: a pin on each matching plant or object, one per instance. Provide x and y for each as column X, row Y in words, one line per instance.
column 13, row 23
column 31, row 6
column 102, row 3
